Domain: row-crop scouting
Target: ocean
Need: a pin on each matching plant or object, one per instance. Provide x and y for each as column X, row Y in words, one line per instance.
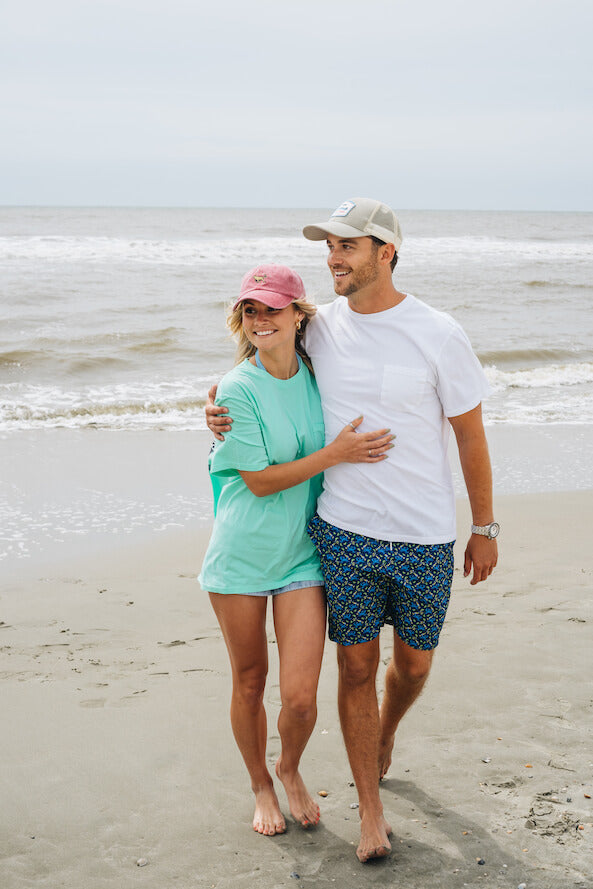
column 113, row 320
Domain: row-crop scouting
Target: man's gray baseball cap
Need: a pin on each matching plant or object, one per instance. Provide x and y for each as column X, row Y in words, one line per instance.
column 359, row 218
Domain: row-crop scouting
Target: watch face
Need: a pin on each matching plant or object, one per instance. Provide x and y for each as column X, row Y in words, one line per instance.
column 494, row 530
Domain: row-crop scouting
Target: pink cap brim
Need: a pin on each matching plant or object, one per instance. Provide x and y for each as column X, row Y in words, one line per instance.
column 273, row 300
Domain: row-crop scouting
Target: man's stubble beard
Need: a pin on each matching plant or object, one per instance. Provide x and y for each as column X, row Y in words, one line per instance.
column 364, row 276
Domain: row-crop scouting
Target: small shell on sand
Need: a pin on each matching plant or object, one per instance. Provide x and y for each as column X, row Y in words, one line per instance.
column 322, row 792
column 142, row 862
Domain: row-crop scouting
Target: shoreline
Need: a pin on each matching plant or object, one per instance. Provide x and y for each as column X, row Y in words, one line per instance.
column 64, row 492
column 115, row 685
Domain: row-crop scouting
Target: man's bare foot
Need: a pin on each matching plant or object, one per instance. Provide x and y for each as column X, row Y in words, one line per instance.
column 385, row 751
column 374, row 838
column 302, row 807
column 268, row 819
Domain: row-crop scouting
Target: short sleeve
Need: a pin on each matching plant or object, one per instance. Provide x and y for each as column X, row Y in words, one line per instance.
column 461, row 381
column 243, row 447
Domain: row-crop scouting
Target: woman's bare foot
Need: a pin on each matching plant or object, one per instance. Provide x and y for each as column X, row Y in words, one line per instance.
column 303, row 807
column 268, row 819
column 374, row 838
column 385, row 751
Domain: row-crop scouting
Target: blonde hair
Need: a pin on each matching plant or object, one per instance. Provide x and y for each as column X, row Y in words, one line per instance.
column 245, row 349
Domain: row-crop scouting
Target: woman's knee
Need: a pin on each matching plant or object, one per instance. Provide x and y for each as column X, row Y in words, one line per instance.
column 300, row 702
column 249, row 686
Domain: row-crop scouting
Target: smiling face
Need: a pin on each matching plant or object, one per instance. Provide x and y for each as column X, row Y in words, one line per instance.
column 267, row 328
column 353, row 262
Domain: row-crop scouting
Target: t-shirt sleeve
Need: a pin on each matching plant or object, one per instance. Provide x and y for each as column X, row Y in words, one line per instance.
column 461, row 381
column 243, row 447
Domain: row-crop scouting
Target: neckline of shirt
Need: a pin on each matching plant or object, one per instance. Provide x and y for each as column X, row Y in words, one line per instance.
column 259, row 367
column 368, row 316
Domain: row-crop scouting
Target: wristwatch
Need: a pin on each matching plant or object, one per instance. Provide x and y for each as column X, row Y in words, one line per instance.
column 490, row 531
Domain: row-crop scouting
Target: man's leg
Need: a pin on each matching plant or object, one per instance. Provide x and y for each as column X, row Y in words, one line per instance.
column 405, row 678
column 417, row 607
column 356, row 605
column 359, row 717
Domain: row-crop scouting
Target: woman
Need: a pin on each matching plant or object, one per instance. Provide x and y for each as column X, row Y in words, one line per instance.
column 266, row 476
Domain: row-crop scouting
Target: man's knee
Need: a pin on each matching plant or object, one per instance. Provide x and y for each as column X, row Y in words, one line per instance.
column 411, row 664
column 357, row 664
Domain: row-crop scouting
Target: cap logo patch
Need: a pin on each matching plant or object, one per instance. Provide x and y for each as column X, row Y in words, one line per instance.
column 344, row 209
column 259, row 279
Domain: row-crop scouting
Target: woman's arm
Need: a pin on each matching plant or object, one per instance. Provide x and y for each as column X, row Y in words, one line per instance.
column 349, row 447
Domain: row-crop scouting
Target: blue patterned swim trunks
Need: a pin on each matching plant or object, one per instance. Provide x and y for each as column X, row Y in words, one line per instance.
column 371, row 582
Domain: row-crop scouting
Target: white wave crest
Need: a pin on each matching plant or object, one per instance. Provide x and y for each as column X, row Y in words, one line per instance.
column 549, row 394
column 547, row 376
column 165, row 405
column 470, row 249
column 102, row 250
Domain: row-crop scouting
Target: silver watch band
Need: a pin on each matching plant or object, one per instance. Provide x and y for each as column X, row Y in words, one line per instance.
column 491, row 531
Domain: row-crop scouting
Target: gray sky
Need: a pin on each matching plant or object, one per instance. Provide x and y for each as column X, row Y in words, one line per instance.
column 422, row 103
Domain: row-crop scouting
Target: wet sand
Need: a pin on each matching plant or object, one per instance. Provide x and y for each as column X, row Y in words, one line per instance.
column 116, row 745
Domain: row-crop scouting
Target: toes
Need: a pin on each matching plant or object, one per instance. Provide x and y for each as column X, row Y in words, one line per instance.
column 381, row 851
column 268, row 830
column 311, row 820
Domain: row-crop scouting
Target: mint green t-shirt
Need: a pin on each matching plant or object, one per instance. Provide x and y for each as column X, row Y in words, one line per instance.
column 261, row 543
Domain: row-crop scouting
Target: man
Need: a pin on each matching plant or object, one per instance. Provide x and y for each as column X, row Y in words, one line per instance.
column 385, row 532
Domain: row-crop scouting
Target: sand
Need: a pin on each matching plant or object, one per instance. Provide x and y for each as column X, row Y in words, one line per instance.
column 116, row 745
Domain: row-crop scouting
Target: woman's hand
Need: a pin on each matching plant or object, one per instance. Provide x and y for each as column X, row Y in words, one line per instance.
column 351, row 446
column 216, row 420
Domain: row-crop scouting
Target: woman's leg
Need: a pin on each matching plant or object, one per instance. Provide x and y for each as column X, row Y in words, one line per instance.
column 242, row 620
column 299, row 619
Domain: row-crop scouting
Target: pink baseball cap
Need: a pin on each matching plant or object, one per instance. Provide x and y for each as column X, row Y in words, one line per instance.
column 274, row 285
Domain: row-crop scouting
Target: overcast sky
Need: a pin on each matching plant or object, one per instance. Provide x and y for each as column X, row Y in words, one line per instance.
column 422, row 103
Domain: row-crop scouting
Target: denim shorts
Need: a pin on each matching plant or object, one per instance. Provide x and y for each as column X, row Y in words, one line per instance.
column 371, row 582
column 295, row 585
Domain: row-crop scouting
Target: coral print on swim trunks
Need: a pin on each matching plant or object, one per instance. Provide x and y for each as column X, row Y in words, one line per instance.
column 369, row 582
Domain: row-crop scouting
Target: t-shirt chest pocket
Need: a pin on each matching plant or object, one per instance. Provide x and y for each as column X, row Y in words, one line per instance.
column 403, row 388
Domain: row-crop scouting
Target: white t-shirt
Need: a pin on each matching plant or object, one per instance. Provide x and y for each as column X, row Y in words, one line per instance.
column 408, row 368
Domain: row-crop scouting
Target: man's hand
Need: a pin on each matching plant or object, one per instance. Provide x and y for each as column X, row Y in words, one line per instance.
column 482, row 554
column 215, row 420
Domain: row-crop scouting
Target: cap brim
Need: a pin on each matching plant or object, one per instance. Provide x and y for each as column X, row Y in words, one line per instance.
column 273, row 300
column 320, row 231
